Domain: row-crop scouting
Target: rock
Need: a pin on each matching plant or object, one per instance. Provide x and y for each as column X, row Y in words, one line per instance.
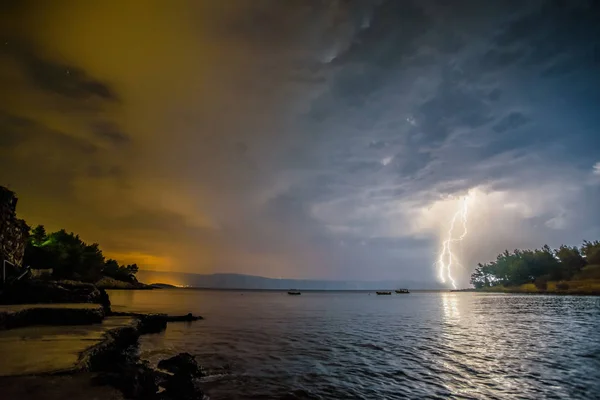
column 26, row 315
column 152, row 323
column 182, row 387
column 155, row 323
column 111, row 283
column 118, row 348
column 183, row 318
column 37, row 291
column 135, row 381
column 182, row 364
column 104, row 301
column 184, row 383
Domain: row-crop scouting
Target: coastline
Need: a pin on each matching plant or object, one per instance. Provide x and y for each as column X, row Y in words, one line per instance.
column 589, row 290
column 109, row 367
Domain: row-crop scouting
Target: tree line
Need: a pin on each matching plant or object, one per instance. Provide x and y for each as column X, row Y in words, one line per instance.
column 536, row 266
column 72, row 258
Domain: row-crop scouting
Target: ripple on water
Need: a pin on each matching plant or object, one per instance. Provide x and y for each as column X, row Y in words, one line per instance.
column 349, row 345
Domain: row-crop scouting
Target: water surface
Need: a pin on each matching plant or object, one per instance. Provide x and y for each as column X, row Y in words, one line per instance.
column 344, row 345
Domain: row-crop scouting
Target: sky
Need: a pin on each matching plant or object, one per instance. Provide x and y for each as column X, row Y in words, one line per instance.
column 303, row 139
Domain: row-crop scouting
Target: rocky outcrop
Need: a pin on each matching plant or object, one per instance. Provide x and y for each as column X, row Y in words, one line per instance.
column 117, row 364
column 111, row 283
column 21, row 316
column 182, row 363
column 154, row 323
column 117, row 348
column 39, row 291
column 183, row 381
column 13, row 232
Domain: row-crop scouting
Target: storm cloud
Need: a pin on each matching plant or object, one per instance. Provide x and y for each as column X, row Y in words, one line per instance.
column 322, row 139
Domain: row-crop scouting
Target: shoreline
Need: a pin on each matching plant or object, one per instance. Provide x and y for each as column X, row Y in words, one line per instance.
column 532, row 292
column 110, row 368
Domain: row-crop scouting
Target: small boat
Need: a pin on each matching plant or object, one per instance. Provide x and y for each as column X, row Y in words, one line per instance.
column 383, row 293
column 294, row 292
column 399, row 291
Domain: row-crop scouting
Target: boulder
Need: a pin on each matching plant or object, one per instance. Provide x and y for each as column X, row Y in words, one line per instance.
column 189, row 317
column 182, row 364
column 135, row 381
column 183, row 384
column 182, row 387
column 152, row 323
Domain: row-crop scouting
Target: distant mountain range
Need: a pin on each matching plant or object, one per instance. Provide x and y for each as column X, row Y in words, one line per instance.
column 240, row 281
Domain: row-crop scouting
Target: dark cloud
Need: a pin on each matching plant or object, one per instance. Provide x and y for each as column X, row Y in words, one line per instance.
column 101, row 171
column 110, row 132
column 18, row 130
column 56, row 77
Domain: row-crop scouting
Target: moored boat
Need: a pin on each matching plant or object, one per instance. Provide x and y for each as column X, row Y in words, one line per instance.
column 383, row 293
column 399, row 291
column 294, row 292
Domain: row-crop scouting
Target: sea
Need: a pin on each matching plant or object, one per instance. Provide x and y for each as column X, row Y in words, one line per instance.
column 357, row 345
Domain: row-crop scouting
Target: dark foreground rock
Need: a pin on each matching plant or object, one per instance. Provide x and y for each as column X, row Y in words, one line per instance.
column 154, row 323
column 182, row 363
column 136, row 380
column 117, row 363
column 184, row 382
column 37, row 291
column 56, row 387
column 20, row 316
column 110, row 283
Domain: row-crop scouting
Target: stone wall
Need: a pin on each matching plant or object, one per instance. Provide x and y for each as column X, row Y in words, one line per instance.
column 13, row 231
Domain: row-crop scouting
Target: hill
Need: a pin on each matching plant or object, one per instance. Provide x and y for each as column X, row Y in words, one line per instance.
column 241, row 281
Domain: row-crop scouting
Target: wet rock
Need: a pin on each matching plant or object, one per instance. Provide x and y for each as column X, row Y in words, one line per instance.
column 155, row 323
column 152, row 323
column 104, row 300
column 182, row 387
column 118, row 348
column 135, row 381
column 182, row 364
column 183, row 384
column 184, row 318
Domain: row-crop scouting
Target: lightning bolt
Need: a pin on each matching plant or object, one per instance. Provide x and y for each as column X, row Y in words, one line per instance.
column 447, row 259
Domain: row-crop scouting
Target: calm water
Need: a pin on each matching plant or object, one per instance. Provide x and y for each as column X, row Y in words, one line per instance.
column 270, row 345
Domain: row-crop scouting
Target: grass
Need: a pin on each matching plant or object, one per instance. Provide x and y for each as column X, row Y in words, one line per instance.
column 575, row 286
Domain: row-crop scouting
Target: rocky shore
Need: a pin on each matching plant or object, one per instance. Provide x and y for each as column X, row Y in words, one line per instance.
column 110, row 368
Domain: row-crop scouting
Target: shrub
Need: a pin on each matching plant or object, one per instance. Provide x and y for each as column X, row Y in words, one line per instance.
column 562, row 286
column 541, row 283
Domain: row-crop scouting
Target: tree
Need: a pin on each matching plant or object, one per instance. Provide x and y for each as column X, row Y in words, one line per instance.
column 132, row 269
column 591, row 251
column 538, row 266
column 72, row 258
column 38, row 235
column 571, row 261
column 120, row 273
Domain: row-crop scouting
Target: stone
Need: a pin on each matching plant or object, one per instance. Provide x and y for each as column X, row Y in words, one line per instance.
column 182, row 387
column 182, row 364
column 152, row 323
column 135, row 381
column 183, row 318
